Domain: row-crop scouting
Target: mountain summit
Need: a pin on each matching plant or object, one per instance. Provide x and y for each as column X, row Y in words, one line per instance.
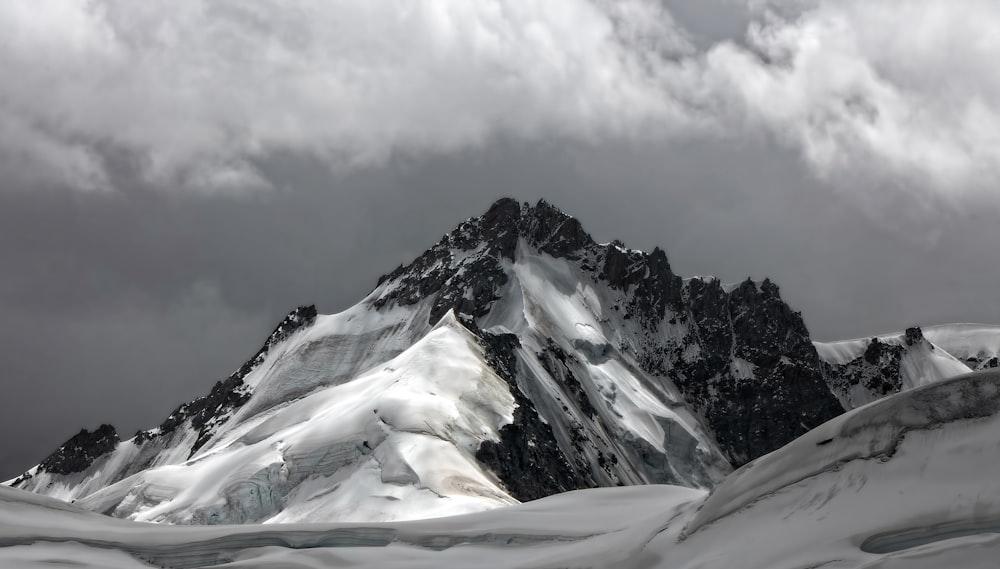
column 514, row 359
column 738, row 354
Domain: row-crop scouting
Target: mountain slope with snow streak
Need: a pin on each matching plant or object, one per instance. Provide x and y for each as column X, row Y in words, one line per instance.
column 386, row 444
column 907, row 481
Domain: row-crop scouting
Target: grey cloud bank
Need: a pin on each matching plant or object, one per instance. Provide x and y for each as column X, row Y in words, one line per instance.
column 198, row 92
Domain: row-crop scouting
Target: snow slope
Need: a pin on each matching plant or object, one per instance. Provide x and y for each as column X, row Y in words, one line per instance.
column 385, row 444
column 908, row 481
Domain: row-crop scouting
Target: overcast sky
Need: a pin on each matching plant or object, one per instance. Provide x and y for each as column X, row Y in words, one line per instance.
column 177, row 175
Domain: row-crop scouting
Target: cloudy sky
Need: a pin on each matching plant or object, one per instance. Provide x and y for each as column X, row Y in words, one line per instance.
column 175, row 175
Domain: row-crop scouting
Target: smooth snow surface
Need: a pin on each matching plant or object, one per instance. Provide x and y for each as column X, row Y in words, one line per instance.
column 906, row 482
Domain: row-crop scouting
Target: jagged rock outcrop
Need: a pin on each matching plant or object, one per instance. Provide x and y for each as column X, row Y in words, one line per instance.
column 877, row 371
column 757, row 376
column 861, row 371
column 80, row 451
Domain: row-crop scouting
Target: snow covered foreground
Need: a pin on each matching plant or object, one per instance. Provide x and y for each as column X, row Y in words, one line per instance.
column 908, row 481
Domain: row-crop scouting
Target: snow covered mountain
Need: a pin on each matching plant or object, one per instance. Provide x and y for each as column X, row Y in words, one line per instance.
column 514, row 359
column 864, row 370
column 908, row 482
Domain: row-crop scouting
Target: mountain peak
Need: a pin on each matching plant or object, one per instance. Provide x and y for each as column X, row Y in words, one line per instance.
column 546, row 361
column 465, row 269
column 687, row 331
column 542, row 225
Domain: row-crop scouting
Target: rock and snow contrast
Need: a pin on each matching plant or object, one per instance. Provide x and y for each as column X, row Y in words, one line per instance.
column 517, row 360
column 906, row 482
column 863, row 370
column 514, row 359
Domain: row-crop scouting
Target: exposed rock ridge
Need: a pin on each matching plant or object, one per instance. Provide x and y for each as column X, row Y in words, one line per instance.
column 741, row 357
column 81, row 450
column 861, row 371
column 877, row 371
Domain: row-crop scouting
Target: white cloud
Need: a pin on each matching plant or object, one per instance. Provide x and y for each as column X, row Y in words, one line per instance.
column 902, row 89
column 201, row 87
column 897, row 91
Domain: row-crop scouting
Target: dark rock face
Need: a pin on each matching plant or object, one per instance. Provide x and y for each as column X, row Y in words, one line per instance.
column 654, row 289
column 780, row 393
column 527, row 459
column 553, row 359
column 913, row 336
column 80, row 451
column 748, row 367
column 877, row 370
column 789, row 395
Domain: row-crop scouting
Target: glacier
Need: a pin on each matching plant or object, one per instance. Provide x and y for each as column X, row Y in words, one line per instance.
column 907, row 481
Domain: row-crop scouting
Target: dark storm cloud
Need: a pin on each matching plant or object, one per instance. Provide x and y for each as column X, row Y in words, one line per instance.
column 178, row 175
